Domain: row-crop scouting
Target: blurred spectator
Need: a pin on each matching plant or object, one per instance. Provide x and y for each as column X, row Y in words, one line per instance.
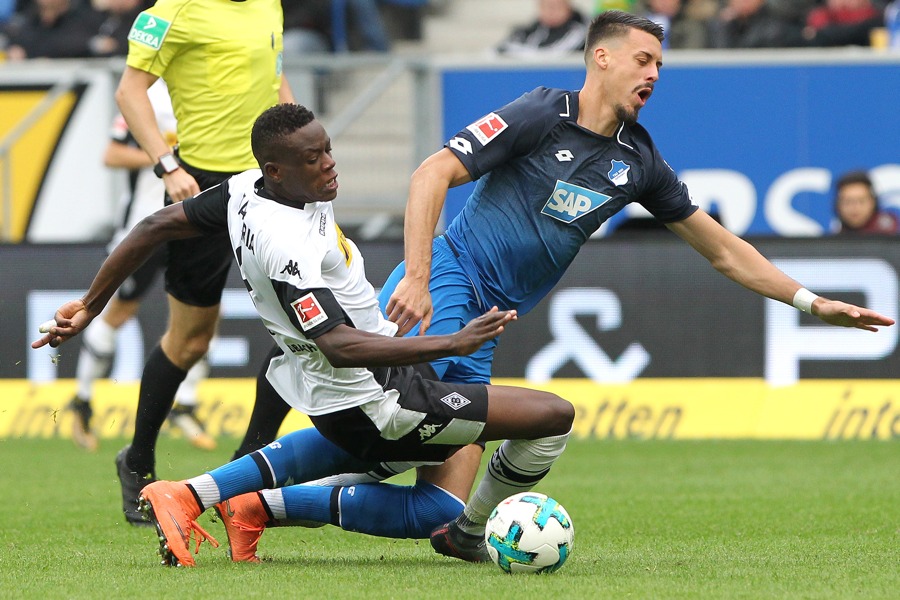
column 111, row 38
column 842, row 23
column 365, row 23
column 559, row 29
column 7, row 9
column 316, row 26
column 307, row 27
column 683, row 28
column 754, row 24
column 602, row 5
column 53, row 29
column 857, row 208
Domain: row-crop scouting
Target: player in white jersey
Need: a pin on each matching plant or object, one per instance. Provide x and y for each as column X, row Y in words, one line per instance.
column 340, row 363
column 144, row 195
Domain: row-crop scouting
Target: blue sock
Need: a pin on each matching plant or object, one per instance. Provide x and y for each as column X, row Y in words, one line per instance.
column 380, row 509
column 298, row 457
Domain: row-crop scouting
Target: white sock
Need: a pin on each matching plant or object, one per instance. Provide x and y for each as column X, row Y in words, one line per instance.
column 516, row 466
column 207, row 490
column 97, row 351
column 275, row 500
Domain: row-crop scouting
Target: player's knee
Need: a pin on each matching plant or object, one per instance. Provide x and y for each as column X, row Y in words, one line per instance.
column 560, row 416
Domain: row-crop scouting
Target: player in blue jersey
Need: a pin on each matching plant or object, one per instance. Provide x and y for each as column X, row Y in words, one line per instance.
column 551, row 168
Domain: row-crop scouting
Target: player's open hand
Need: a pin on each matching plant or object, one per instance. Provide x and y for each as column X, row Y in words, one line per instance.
column 71, row 318
column 409, row 305
column 481, row 329
column 848, row 315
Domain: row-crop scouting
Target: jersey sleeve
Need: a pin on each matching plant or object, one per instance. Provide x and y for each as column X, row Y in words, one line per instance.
column 302, row 293
column 208, row 210
column 156, row 36
column 664, row 195
column 511, row 131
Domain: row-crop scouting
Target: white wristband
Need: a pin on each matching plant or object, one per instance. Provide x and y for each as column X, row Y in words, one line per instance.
column 803, row 300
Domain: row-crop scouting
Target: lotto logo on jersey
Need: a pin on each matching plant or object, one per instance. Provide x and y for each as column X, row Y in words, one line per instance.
column 310, row 311
column 149, row 30
column 569, row 202
column 487, row 128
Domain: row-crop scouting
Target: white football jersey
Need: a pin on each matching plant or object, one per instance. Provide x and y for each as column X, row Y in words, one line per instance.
column 305, row 278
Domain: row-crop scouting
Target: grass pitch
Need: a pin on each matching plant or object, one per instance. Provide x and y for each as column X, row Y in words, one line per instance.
column 652, row 520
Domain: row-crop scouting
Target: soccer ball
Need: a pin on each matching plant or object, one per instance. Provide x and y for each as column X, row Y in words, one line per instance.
column 529, row 533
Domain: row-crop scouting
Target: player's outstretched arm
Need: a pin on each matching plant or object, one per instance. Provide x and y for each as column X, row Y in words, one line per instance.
column 410, row 303
column 72, row 317
column 740, row 261
column 848, row 315
column 346, row 346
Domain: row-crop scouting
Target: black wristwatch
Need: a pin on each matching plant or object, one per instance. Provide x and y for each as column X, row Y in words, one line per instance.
column 167, row 163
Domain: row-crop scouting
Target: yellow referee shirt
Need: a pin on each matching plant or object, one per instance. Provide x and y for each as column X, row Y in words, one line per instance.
column 222, row 62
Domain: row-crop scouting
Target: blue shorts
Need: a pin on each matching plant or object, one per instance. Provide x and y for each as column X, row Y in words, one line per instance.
column 455, row 303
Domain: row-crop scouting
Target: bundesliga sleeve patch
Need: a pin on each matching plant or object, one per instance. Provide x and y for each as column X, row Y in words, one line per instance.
column 487, row 128
column 309, row 311
column 149, row 30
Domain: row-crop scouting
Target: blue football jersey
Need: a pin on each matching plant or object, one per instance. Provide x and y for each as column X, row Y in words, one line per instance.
column 544, row 185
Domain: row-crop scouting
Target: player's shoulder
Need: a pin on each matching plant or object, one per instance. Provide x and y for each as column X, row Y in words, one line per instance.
column 544, row 100
column 637, row 137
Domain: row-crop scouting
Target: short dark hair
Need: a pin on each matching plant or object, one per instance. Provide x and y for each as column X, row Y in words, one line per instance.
column 852, row 177
column 615, row 23
column 273, row 126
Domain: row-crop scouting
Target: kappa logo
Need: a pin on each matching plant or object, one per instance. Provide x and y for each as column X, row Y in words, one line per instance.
column 455, row 400
column 487, row 128
column 291, row 268
column 310, row 311
column 564, row 156
column 618, row 174
column 149, row 30
column 569, row 202
column 323, row 220
column 461, row 145
column 426, row 431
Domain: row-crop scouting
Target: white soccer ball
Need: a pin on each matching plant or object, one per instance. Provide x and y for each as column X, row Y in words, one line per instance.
column 529, row 533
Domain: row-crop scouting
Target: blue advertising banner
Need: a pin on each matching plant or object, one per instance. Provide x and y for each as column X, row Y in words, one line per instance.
column 758, row 143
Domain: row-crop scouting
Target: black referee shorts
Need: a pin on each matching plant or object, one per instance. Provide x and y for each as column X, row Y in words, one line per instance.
column 197, row 268
column 420, row 419
column 137, row 284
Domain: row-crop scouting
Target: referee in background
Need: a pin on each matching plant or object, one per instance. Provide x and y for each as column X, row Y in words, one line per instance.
column 222, row 62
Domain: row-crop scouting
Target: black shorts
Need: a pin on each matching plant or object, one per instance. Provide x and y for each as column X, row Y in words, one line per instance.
column 197, row 268
column 140, row 281
column 423, row 419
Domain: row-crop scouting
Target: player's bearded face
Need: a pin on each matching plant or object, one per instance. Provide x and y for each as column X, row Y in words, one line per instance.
column 627, row 114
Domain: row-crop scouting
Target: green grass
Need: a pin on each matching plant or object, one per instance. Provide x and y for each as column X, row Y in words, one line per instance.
column 652, row 520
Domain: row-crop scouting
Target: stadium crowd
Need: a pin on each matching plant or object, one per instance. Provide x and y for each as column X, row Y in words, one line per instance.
column 99, row 28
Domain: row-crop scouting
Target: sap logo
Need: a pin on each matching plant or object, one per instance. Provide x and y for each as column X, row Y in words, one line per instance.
column 461, row 145
column 569, row 202
column 291, row 268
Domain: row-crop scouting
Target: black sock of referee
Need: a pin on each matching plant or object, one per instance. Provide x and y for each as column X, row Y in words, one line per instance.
column 159, row 383
column 269, row 412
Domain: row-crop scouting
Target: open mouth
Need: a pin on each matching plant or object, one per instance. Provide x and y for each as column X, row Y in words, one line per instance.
column 644, row 94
